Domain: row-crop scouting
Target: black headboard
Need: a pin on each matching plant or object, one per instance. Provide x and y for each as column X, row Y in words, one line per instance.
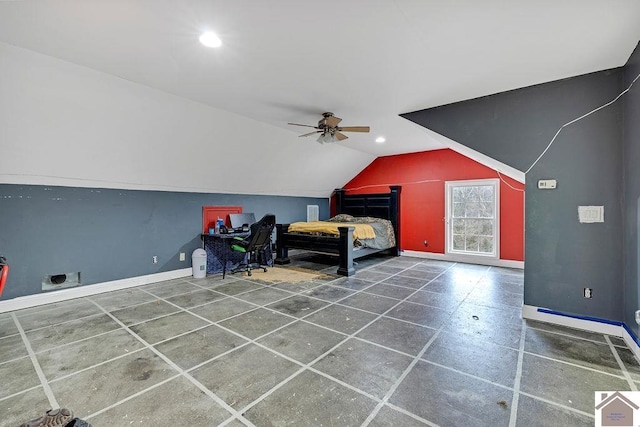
column 380, row 205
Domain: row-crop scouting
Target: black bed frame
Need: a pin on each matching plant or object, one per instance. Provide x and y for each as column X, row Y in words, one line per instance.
column 384, row 205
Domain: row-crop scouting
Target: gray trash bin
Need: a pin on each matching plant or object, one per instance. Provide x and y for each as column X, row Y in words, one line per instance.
column 199, row 263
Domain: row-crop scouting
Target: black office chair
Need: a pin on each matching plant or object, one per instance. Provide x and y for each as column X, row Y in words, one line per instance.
column 254, row 244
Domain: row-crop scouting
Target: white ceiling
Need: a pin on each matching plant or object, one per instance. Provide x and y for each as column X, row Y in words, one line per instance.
column 366, row 61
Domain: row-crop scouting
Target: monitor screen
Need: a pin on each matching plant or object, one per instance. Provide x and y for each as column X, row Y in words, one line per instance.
column 238, row 220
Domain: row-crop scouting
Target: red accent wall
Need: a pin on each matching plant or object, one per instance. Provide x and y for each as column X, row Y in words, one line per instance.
column 422, row 176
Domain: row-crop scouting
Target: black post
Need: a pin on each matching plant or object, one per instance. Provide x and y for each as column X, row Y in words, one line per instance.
column 340, row 193
column 282, row 252
column 395, row 215
column 345, row 266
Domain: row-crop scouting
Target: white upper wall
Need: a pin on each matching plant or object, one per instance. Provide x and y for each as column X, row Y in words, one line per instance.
column 63, row 124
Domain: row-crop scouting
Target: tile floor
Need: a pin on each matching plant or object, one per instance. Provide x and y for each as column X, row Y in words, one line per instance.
column 405, row 342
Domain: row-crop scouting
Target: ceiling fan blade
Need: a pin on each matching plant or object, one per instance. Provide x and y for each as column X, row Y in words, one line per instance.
column 310, row 133
column 298, row 124
column 332, row 121
column 354, row 129
column 340, row 136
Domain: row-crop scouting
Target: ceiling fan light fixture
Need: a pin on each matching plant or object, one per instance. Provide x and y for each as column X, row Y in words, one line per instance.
column 209, row 39
column 380, row 139
column 327, row 138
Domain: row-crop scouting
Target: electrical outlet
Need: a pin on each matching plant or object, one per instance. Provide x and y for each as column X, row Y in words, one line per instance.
column 588, row 293
column 182, row 257
column 155, row 259
column 426, row 243
column 638, row 317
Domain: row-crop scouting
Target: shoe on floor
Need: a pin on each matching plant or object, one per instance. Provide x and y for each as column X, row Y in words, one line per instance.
column 52, row 418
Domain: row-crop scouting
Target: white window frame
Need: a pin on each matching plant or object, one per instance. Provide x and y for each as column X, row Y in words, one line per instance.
column 449, row 185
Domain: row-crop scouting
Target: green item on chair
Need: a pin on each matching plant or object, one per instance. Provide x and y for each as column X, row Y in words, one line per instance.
column 238, row 248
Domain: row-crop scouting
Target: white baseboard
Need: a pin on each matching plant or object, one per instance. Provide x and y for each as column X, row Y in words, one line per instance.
column 466, row 259
column 87, row 290
column 591, row 325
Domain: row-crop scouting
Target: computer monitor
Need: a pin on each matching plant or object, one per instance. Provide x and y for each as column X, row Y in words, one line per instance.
column 238, row 220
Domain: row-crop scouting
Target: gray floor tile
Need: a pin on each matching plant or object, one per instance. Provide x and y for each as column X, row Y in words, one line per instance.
column 420, row 314
column 372, row 276
column 102, row 386
column 8, row 327
column 182, row 404
column 502, row 326
column 242, row 376
column 391, row 291
column 565, row 331
column 71, row 358
column 64, row 313
column 297, row 306
column 420, row 274
column 256, row 323
column 373, row 303
column 407, row 282
column 533, row 412
column 143, row 312
column 618, row 342
column 222, row 309
column 264, row 296
column 296, row 286
column 386, row 269
column 329, row 293
column 17, row 375
column 342, row 319
column 353, row 283
column 494, row 297
column 12, row 347
column 65, row 333
column 318, row 401
column 367, row 367
column 403, row 261
column 436, row 299
column 398, row 335
column 570, row 385
column 167, row 327
column 476, row 357
column 199, row 346
column 121, row 299
column 301, row 341
column 630, row 362
column 388, row 417
column 193, row 299
column 234, row 286
column 574, row 350
column 456, row 286
column 24, row 407
column 172, row 288
column 445, row 397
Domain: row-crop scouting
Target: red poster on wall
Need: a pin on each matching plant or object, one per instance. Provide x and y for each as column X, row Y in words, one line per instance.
column 210, row 215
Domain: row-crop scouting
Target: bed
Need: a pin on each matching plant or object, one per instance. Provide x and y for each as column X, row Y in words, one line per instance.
column 382, row 205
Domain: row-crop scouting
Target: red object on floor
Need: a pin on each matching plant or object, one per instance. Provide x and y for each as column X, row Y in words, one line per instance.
column 3, row 276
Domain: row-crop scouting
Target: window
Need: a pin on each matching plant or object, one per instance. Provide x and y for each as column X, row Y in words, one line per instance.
column 472, row 216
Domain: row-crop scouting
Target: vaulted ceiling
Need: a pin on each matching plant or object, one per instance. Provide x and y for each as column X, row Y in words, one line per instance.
column 288, row 60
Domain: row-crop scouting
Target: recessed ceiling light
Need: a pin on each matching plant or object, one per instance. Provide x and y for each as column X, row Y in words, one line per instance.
column 380, row 139
column 209, row 39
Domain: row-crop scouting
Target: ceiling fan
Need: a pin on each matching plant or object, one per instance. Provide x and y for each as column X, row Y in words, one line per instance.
column 329, row 130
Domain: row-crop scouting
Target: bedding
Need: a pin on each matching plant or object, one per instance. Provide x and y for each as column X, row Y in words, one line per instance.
column 375, row 233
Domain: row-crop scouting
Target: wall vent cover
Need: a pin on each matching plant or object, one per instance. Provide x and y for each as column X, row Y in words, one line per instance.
column 313, row 213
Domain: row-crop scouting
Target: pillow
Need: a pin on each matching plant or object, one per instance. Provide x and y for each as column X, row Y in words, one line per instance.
column 342, row 218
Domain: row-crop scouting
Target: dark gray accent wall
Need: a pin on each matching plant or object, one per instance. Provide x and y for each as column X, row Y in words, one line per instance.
column 562, row 256
column 109, row 234
column 631, row 159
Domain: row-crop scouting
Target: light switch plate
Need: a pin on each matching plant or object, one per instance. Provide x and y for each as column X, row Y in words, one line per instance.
column 547, row 184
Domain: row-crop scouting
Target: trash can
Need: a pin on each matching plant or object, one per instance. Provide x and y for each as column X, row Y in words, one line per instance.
column 199, row 263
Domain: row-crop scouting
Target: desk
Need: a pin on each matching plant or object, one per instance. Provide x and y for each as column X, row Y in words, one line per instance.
column 219, row 252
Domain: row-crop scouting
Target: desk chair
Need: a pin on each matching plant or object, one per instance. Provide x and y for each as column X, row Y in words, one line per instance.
column 257, row 241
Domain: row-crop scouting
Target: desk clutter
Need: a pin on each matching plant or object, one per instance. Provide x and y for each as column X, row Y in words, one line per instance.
column 234, row 241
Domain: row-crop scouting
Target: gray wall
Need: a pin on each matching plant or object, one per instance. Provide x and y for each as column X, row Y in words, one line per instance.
column 631, row 148
column 562, row 256
column 111, row 234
